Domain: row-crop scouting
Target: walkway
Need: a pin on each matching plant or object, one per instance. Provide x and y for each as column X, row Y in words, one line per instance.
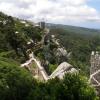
column 92, row 77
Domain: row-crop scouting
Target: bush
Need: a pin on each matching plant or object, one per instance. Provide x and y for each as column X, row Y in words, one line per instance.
column 72, row 87
column 15, row 83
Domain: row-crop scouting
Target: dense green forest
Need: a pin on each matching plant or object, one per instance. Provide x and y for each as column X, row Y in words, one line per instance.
column 17, row 83
column 79, row 43
column 15, row 36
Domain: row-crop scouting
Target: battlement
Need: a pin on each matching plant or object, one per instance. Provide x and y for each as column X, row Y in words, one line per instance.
column 95, row 62
column 95, row 71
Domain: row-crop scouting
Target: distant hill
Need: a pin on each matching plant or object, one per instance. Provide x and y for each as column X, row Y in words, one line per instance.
column 74, row 29
column 80, row 41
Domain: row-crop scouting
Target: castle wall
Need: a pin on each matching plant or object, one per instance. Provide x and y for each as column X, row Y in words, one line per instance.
column 95, row 71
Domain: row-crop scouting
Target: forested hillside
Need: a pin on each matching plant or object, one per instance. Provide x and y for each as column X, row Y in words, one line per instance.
column 17, row 83
column 80, row 43
column 75, row 29
column 17, row 36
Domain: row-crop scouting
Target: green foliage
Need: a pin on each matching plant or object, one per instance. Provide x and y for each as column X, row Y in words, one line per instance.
column 80, row 44
column 74, row 29
column 8, row 54
column 52, row 67
column 72, row 87
column 15, row 36
column 15, row 83
column 32, row 32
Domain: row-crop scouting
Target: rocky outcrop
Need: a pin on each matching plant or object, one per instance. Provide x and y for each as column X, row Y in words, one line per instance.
column 62, row 69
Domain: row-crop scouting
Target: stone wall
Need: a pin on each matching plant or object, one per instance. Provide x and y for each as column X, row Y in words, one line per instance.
column 95, row 71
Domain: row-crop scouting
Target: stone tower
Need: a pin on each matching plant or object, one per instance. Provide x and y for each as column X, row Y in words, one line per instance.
column 42, row 24
column 95, row 71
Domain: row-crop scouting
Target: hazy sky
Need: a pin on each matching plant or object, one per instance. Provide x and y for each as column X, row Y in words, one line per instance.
column 84, row 13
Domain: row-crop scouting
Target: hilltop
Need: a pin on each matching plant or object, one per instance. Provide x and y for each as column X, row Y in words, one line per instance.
column 75, row 29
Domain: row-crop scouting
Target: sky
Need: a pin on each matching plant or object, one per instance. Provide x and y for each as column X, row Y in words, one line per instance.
column 84, row 13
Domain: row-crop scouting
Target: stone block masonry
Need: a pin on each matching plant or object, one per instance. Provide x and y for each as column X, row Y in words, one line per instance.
column 95, row 71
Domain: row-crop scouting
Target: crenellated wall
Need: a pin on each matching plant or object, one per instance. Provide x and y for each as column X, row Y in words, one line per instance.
column 95, row 71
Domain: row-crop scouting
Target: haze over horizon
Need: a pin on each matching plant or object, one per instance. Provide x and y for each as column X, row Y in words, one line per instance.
column 83, row 13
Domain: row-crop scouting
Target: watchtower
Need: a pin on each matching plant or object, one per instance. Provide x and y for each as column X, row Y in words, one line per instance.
column 95, row 62
column 42, row 24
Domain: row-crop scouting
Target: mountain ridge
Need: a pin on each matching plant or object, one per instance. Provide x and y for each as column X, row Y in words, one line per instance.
column 75, row 29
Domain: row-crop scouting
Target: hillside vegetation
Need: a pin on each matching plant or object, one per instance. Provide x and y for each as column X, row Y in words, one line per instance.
column 80, row 43
column 17, row 83
column 14, row 36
